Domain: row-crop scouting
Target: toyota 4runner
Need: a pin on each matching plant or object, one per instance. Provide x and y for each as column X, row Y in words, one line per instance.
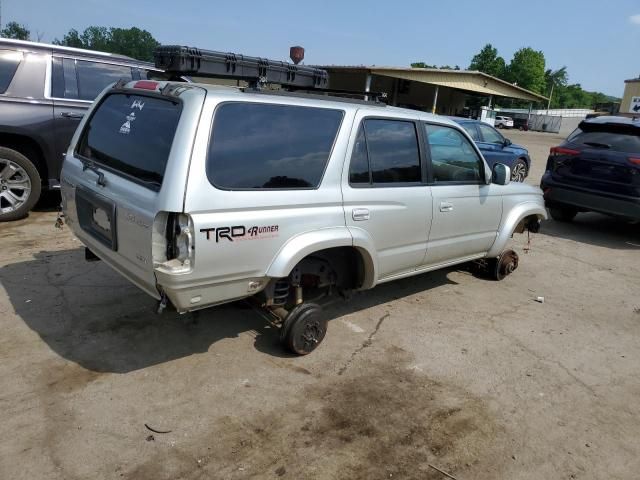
column 202, row 195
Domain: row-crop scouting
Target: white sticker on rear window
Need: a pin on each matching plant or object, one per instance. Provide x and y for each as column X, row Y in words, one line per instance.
column 126, row 126
column 137, row 104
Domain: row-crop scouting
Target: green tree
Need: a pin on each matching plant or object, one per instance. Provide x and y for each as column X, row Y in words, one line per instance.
column 16, row 31
column 488, row 61
column 527, row 70
column 441, row 67
column 132, row 42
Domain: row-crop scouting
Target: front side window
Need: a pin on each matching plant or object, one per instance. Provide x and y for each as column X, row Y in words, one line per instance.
column 9, row 61
column 265, row 146
column 453, row 158
column 490, row 135
column 93, row 77
column 386, row 152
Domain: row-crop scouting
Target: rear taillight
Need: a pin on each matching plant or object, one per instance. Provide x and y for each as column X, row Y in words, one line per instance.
column 555, row 151
column 635, row 160
column 179, row 238
column 146, row 85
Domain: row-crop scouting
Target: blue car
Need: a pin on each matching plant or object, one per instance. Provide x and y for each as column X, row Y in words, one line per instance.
column 596, row 169
column 497, row 149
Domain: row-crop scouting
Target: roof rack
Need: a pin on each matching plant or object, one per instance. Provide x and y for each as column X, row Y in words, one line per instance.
column 257, row 71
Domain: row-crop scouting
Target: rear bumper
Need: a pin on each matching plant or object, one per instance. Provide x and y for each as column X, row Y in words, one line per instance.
column 588, row 200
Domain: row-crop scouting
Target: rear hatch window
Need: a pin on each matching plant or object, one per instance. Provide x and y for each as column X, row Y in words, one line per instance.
column 132, row 135
column 609, row 137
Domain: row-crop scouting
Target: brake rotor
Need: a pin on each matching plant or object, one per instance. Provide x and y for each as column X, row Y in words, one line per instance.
column 506, row 264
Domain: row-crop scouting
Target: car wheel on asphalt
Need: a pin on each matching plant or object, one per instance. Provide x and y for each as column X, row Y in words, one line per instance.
column 563, row 214
column 519, row 171
column 303, row 328
column 20, row 185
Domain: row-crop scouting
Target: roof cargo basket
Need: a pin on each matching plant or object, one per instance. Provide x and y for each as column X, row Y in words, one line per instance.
column 255, row 70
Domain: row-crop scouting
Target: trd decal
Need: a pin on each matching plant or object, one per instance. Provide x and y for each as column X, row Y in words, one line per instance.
column 240, row 232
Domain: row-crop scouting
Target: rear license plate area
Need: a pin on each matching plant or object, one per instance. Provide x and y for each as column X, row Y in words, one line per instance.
column 97, row 216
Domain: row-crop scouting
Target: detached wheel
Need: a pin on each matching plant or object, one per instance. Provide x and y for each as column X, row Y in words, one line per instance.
column 504, row 265
column 303, row 329
column 563, row 214
column 519, row 171
column 20, row 185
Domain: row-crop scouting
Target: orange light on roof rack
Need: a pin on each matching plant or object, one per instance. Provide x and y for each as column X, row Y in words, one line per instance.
column 146, row 84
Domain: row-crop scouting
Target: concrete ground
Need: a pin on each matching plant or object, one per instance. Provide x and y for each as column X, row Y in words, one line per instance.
column 471, row 376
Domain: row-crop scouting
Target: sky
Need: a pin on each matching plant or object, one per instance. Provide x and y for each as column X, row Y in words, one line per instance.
column 598, row 41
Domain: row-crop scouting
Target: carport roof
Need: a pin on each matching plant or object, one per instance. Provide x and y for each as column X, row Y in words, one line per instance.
column 467, row 80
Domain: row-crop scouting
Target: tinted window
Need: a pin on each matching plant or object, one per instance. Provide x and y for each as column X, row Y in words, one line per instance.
column 359, row 166
column 490, row 135
column 94, row 77
column 132, row 134
column 471, row 129
column 392, row 146
column 619, row 141
column 452, row 156
column 9, row 61
column 256, row 145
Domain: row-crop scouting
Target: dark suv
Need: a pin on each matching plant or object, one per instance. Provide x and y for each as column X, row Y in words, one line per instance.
column 44, row 92
column 597, row 168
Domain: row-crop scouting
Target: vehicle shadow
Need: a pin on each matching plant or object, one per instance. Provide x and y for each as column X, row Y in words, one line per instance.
column 596, row 229
column 90, row 315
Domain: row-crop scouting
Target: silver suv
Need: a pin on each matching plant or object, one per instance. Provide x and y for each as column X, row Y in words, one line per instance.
column 202, row 195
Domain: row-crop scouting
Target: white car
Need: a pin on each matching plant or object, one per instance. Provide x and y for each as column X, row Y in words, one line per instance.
column 504, row 122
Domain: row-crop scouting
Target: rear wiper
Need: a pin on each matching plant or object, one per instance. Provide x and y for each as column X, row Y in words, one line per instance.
column 597, row 144
column 89, row 165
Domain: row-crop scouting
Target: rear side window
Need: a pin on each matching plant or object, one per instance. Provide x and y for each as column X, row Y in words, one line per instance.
column 93, row 77
column 453, row 158
column 132, row 134
column 9, row 61
column 385, row 152
column 621, row 141
column 264, row 146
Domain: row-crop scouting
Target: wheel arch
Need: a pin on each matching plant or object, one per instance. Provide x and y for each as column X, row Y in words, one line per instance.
column 323, row 242
column 28, row 147
column 517, row 214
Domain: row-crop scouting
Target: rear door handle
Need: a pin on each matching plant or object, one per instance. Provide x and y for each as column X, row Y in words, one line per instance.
column 72, row 115
column 446, row 206
column 360, row 214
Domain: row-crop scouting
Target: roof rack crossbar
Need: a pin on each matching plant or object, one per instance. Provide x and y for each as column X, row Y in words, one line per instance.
column 372, row 96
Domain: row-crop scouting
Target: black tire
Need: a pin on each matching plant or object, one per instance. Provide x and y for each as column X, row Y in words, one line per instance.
column 519, row 171
column 303, row 329
column 563, row 214
column 17, row 171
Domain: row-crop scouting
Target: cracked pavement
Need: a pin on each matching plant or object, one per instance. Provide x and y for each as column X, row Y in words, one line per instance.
column 472, row 376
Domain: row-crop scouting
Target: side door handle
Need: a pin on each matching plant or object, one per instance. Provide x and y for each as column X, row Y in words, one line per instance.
column 446, row 207
column 72, row 115
column 360, row 214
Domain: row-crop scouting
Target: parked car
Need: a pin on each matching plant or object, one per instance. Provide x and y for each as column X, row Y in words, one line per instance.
column 497, row 149
column 44, row 92
column 597, row 168
column 504, row 122
column 202, row 195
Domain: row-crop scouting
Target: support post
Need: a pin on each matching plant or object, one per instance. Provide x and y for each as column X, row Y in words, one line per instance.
column 435, row 99
column 490, row 101
column 367, row 85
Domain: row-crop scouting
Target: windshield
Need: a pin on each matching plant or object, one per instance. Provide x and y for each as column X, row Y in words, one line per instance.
column 132, row 134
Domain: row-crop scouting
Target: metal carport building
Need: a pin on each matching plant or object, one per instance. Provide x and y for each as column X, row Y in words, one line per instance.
column 430, row 89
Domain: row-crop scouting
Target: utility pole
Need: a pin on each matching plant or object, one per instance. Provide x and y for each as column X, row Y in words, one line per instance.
column 550, row 95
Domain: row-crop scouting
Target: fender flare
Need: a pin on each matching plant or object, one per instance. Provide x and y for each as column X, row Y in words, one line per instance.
column 519, row 212
column 307, row 243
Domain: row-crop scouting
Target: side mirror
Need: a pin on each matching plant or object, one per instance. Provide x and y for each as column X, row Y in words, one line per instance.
column 501, row 174
column 507, row 142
